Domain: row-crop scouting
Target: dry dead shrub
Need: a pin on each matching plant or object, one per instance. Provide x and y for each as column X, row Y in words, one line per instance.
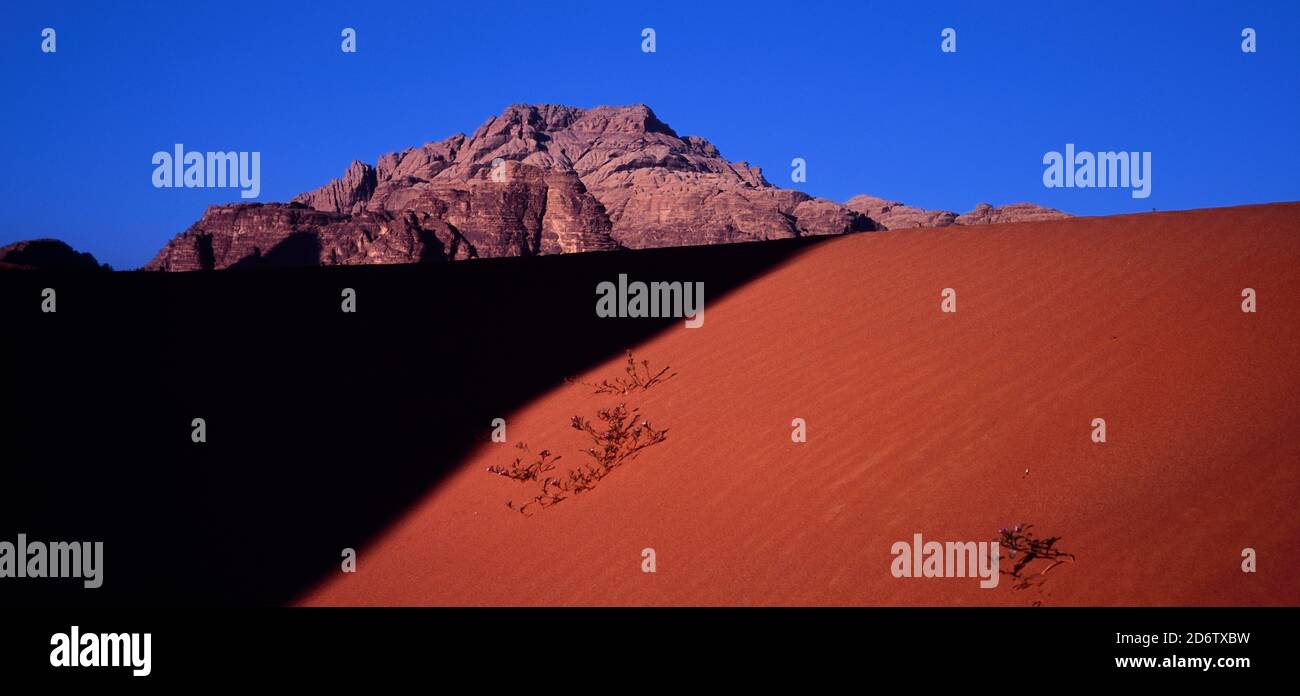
column 617, row 435
column 1024, row 548
column 639, row 378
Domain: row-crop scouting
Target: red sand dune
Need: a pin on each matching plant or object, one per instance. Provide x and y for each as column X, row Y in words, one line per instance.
column 920, row 421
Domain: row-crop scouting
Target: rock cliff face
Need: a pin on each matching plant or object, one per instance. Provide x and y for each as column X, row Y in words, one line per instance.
column 274, row 234
column 538, row 179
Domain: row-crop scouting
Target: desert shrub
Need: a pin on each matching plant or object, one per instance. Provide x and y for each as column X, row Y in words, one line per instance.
column 541, row 463
column 617, row 435
column 1024, row 548
column 621, row 436
column 639, row 378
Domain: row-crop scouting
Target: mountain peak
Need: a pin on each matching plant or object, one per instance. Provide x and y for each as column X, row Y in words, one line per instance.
column 538, row 179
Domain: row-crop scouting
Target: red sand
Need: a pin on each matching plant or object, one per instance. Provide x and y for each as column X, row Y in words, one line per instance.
column 920, row 421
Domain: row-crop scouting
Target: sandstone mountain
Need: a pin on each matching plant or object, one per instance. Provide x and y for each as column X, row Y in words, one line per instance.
column 537, row 179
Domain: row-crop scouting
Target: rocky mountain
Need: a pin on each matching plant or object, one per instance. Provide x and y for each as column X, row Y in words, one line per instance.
column 541, row 179
column 538, row 179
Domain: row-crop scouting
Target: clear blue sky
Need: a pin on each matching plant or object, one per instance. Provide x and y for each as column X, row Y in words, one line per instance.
column 860, row 90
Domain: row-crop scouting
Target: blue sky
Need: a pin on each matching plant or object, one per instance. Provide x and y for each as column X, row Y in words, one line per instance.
column 860, row 90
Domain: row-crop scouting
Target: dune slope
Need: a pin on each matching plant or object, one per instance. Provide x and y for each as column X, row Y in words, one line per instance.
column 951, row 425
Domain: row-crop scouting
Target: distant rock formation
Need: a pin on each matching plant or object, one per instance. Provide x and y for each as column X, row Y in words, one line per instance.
column 985, row 214
column 892, row 215
column 47, row 255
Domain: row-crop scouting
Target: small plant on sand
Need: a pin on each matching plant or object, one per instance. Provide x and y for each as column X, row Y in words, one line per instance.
column 617, row 435
column 621, row 436
column 541, row 463
column 639, row 379
column 1024, row 548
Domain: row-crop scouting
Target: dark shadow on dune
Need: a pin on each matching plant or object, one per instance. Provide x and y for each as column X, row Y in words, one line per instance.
column 322, row 427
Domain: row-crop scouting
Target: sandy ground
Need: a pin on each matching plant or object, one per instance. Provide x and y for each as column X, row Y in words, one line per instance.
column 925, row 422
